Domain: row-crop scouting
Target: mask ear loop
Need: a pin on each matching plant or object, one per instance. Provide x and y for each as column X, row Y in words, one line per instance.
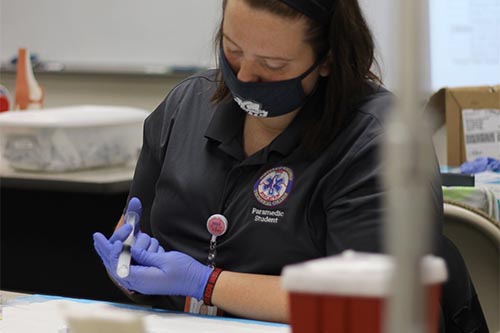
column 318, row 61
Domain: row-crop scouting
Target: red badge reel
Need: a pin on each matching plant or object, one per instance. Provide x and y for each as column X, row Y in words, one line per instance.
column 217, row 226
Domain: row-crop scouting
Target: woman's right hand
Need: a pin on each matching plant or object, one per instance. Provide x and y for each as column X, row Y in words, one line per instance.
column 109, row 249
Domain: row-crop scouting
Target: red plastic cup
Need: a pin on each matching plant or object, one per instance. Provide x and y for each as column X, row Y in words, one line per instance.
column 348, row 293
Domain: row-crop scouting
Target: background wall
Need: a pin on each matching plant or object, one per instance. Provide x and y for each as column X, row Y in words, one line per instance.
column 142, row 91
column 148, row 35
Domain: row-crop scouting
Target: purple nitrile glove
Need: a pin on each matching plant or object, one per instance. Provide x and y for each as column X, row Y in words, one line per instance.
column 166, row 273
column 109, row 250
column 480, row 164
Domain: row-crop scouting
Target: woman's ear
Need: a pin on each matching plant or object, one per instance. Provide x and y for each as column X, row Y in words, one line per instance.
column 325, row 67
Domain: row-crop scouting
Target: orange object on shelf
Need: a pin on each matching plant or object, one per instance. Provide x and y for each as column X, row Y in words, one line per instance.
column 29, row 94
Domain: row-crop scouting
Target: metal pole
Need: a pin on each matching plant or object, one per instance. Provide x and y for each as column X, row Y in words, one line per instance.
column 408, row 159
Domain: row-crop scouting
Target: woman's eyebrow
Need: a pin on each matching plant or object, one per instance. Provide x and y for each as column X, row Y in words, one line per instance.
column 274, row 58
column 258, row 56
column 230, row 40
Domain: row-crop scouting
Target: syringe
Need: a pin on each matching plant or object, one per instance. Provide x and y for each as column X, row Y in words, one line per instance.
column 132, row 217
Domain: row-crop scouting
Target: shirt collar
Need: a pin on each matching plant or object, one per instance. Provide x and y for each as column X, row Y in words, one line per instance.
column 291, row 138
column 226, row 128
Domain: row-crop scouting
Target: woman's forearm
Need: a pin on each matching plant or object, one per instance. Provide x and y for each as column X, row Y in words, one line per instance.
column 259, row 297
column 252, row 296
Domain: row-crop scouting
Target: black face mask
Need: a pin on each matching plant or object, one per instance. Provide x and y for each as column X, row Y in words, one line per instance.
column 265, row 99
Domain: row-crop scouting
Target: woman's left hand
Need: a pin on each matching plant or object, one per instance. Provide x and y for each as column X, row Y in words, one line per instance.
column 166, row 273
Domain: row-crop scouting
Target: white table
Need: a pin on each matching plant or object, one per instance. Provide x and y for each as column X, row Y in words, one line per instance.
column 48, row 314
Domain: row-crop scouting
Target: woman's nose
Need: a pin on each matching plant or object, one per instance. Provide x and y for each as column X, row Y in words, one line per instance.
column 247, row 72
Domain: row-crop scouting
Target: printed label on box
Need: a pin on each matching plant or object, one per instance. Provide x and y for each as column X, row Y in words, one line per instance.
column 481, row 133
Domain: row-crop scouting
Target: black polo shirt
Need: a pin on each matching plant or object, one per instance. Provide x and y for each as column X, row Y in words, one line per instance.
column 282, row 207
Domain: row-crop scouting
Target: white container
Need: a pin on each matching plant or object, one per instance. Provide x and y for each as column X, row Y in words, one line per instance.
column 347, row 293
column 71, row 138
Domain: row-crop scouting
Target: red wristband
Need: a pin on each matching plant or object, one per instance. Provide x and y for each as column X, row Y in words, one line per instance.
column 209, row 289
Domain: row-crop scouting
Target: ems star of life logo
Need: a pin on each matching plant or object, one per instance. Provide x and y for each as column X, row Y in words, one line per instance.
column 274, row 186
column 251, row 107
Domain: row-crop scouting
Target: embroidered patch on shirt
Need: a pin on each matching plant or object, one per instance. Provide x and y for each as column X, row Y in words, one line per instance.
column 267, row 215
column 274, row 186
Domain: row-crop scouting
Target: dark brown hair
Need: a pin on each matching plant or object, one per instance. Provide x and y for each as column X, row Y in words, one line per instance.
column 351, row 48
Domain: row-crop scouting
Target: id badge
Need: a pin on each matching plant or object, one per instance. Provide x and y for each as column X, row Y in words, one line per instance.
column 192, row 305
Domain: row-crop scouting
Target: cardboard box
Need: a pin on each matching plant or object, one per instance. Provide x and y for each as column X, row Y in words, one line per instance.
column 447, row 105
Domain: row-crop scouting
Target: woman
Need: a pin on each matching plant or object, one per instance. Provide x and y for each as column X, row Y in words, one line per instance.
column 283, row 141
